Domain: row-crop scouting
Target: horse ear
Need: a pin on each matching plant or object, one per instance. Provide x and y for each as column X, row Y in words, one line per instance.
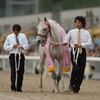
column 45, row 19
column 38, row 19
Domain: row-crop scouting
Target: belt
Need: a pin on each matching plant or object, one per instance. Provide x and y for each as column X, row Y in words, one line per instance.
column 17, row 54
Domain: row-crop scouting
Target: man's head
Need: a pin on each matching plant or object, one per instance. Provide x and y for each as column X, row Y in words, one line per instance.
column 80, row 22
column 16, row 29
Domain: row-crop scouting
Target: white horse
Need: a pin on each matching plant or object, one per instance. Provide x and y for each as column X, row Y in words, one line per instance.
column 49, row 28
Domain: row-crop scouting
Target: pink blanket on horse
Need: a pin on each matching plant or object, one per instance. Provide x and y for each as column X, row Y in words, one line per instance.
column 66, row 55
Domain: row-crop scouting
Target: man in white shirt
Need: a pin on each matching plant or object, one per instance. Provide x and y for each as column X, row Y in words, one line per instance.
column 16, row 43
column 79, row 39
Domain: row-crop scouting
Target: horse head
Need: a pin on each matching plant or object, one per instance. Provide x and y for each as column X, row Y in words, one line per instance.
column 43, row 31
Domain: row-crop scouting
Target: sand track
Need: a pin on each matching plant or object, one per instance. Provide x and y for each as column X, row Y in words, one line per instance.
column 90, row 89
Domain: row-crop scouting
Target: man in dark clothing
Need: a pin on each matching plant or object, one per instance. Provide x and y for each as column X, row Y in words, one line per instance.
column 79, row 40
column 16, row 43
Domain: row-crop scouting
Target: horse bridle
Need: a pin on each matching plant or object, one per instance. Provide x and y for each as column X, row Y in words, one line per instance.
column 43, row 36
column 49, row 30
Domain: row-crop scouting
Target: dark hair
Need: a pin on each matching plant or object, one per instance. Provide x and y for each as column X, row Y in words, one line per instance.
column 81, row 19
column 16, row 27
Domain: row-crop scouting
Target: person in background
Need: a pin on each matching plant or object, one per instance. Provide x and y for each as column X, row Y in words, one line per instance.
column 16, row 43
column 79, row 39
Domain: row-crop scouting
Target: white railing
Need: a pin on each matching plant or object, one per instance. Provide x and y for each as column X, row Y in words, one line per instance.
column 95, row 61
column 33, row 61
column 93, row 58
column 30, row 63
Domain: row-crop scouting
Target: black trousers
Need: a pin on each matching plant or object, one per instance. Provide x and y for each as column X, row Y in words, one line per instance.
column 19, row 73
column 78, row 71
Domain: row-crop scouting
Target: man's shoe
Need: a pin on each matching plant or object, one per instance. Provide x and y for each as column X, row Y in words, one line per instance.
column 13, row 88
column 75, row 91
column 19, row 90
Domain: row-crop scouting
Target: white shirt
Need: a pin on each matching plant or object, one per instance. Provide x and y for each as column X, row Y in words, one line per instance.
column 72, row 35
column 11, row 40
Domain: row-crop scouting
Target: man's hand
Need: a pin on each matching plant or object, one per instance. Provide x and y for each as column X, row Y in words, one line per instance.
column 77, row 45
column 65, row 43
column 15, row 46
column 20, row 47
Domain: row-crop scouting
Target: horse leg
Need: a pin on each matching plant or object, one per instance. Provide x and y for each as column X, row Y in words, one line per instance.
column 41, row 84
column 45, row 73
column 62, row 80
column 58, row 80
column 41, row 73
column 54, row 76
column 59, row 74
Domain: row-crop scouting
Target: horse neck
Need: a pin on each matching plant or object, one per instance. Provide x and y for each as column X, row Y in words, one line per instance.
column 55, row 34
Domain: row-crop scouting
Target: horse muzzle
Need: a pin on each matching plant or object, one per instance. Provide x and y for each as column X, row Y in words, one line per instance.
column 42, row 42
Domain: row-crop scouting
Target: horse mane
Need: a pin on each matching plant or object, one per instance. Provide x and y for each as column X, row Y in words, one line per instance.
column 55, row 29
column 52, row 22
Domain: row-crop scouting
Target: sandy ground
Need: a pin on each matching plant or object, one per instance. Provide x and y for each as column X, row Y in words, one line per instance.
column 90, row 89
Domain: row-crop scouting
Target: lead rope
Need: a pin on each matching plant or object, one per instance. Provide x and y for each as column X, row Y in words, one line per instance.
column 74, row 52
column 19, row 57
column 54, row 43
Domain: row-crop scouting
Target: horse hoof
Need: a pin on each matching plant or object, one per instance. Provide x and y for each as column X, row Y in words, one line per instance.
column 64, row 89
column 56, row 91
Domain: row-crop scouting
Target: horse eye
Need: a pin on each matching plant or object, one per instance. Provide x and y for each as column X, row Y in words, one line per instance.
column 44, row 29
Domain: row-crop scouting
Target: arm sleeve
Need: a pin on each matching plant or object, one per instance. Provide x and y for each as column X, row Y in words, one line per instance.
column 89, row 41
column 7, row 46
column 67, row 37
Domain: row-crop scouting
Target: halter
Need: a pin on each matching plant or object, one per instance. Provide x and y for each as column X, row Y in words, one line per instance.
column 49, row 30
column 43, row 36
